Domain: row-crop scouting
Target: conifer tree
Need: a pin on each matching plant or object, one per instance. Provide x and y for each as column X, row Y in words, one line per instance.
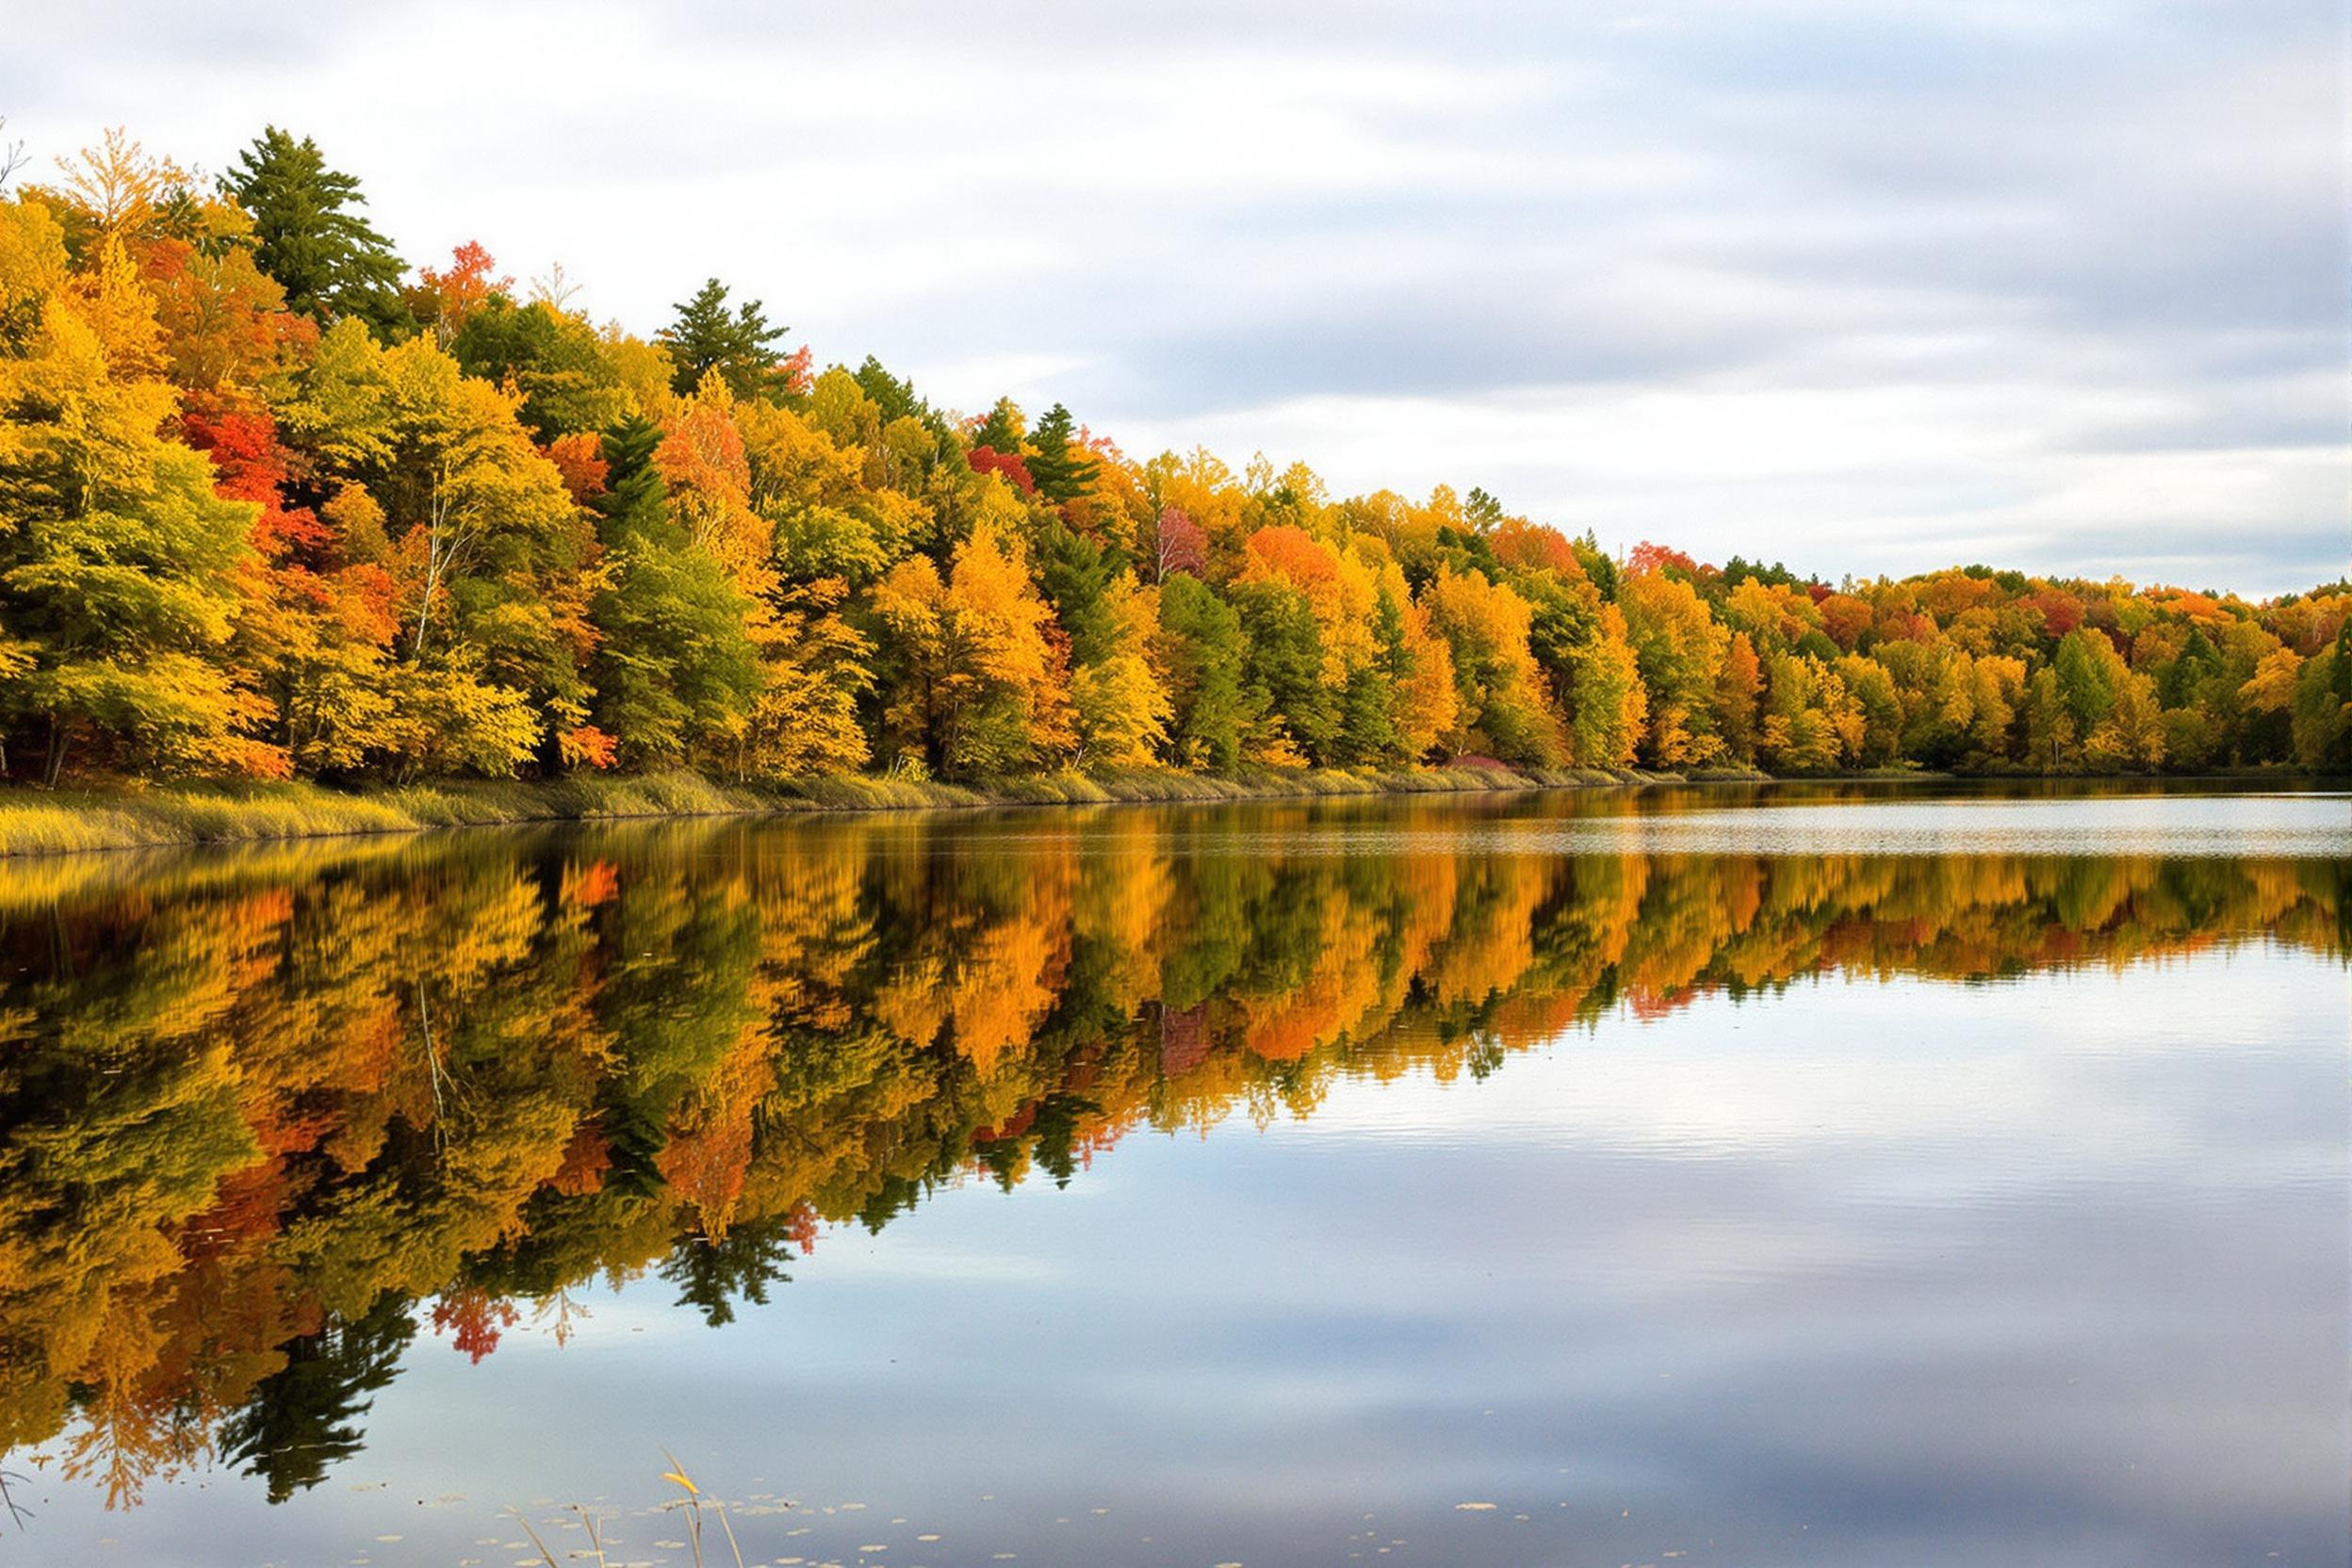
column 1063, row 470
column 329, row 260
column 739, row 344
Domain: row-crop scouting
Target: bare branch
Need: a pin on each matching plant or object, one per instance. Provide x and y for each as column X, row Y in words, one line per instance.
column 555, row 288
column 11, row 157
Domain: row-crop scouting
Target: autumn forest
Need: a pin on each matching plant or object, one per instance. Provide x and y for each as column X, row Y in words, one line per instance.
column 275, row 504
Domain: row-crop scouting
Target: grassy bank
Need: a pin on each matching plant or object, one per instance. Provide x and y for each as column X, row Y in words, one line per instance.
column 35, row 821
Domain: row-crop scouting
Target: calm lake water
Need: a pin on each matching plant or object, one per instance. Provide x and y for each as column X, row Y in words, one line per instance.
column 1795, row 1175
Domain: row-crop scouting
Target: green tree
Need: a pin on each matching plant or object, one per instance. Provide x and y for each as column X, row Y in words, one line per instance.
column 1063, row 470
column 1201, row 646
column 674, row 660
column 739, row 344
column 554, row 360
column 329, row 260
column 1283, row 674
column 1004, row 430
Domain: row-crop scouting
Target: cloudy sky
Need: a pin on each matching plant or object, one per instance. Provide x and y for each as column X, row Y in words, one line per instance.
column 1862, row 284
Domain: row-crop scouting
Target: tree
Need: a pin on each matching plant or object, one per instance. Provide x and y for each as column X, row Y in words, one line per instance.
column 739, row 344
column 1294, row 717
column 1120, row 706
column 554, row 360
column 486, row 550
column 1178, row 545
column 1002, row 429
column 1680, row 647
column 1504, row 712
column 1064, row 470
column 2322, row 707
column 1200, row 648
column 1610, row 706
column 979, row 679
column 117, row 561
column 1811, row 721
column 676, row 664
column 329, row 260
column 304, row 1419
column 443, row 298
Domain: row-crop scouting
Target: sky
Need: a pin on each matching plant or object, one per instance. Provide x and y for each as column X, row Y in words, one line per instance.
column 1862, row 285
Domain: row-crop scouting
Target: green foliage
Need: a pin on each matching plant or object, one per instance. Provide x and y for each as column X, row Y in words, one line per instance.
column 1293, row 715
column 1202, row 649
column 552, row 359
column 1065, row 470
column 739, row 344
column 253, row 523
column 329, row 260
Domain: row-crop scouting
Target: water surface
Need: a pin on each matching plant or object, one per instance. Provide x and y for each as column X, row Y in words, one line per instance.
column 1826, row 1175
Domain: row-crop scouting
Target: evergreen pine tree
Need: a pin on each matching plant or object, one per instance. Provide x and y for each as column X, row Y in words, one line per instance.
column 739, row 344
column 329, row 260
column 1063, row 470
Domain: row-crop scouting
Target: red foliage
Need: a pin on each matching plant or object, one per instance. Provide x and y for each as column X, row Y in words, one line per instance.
column 243, row 446
column 1012, row 1127
column 1520, row 542
column 1906, row 626
column 1647, row 558
column 1184, row 545
column 586, row 1159
column 798, row 368
column 1845, row 617
column 988, row 460
column 2061, row 612
column 1183, row 1039
column 579, row 457
column 445, row 298
column 477, row 1319
column 802, row 1227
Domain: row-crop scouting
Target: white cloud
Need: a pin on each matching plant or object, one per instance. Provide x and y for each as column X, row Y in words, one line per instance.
column 1842, row 281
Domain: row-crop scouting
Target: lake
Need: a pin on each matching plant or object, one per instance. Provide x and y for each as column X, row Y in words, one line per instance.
column 1793, row 1174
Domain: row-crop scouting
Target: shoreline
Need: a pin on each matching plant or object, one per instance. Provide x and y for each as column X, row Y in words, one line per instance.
column 37, row 824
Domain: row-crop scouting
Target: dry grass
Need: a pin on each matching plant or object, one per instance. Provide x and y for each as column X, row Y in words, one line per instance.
column 35, row 823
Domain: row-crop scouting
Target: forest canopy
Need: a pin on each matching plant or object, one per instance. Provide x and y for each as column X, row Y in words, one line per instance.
column 274, row 504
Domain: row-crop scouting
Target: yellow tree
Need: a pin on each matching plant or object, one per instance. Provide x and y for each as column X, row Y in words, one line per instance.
column 977, row 682
column 1504, row 711
column 1680, row 647
column 118, row 564
column 1121, row 703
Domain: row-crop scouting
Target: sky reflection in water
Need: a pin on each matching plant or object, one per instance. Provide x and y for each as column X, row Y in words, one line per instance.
column 1679, row 1199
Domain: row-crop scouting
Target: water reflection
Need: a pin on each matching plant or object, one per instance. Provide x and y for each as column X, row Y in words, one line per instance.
column 267, row 1118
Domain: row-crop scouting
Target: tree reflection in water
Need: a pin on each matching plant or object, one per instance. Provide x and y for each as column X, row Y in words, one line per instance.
column 263, row 1114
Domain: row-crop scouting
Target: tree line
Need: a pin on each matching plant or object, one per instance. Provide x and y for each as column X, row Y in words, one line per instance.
column 267, row 1119
column 275, row 504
